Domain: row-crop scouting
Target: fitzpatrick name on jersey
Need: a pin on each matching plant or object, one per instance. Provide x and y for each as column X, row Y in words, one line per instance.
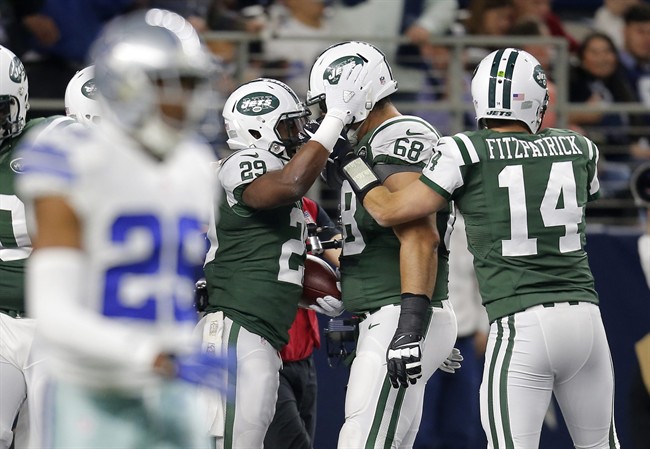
column 513, row 148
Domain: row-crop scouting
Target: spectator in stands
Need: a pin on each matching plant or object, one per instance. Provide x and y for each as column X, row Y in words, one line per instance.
column 608, row 19
column 296, row 19
column 599, row 80
column 58, row 36
column 544, row 54
column 486, row 18
column 249, row 16
column 194, row 11
column 635, row 56
column 541, row 9
column 417, row 20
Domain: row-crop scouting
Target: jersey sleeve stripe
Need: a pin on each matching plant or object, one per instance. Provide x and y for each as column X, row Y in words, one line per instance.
column 442, row 192
column 47, row 159
column 469, row 146
column 460, row 144
column 389, row 160
column 590, row 148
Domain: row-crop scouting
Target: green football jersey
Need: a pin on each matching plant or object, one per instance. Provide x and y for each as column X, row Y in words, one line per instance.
column 255, row 263
column 523, row 197
column 15, row 245
column 370, row 261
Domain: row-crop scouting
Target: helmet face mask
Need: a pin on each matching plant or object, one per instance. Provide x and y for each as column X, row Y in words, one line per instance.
column 510, row 84
column 328, row 67
column 143, row 62
column 14, row 94
column 265, row 114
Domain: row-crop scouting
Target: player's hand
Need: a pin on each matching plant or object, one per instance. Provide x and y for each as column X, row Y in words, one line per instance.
column 328, row 305
column 404, row 354
column 404, row 359
column 452, row 362
column 348, row 95
column 331, row 174
column 202, row 368
column 201, row 295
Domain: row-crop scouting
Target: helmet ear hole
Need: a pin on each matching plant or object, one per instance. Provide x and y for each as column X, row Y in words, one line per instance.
column 255, row 133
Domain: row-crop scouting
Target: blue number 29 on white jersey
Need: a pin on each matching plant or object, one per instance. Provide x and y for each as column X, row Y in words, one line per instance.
column 117, row 302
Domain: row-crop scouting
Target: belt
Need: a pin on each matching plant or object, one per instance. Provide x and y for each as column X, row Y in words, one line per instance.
column 552, row 304
column 363, row 315
column 548, row 305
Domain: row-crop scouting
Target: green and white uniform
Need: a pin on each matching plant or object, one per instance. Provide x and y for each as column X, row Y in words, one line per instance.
column 377, row 415
column 19, row 376
column 523, row 197
column 254, row 271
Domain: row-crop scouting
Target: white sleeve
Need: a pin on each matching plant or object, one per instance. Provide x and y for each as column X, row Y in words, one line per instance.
column 54, row 298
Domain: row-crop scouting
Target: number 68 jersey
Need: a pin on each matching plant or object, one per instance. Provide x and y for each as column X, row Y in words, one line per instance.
column 142, row 224
column 522, row 195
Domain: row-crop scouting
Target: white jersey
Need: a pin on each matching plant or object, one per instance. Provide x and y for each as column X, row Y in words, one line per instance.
column 142, row 223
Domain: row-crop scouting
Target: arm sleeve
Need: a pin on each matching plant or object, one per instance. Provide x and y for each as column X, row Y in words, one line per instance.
column 55, row 298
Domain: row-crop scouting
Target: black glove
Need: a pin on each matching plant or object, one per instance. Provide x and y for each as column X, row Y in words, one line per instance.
column 404, row 355
column 201, row 295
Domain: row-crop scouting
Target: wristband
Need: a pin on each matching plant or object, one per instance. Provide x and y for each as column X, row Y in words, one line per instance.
column 412, row 314
column 328, row 132
column 361, row 177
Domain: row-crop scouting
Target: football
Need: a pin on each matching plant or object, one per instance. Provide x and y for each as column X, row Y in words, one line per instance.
column 319, row 279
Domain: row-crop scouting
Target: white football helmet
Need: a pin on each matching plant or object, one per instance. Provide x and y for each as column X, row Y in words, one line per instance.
column 265, row 114
column 510, row 84
column 14, row 94
column 81, row 97
column 153, row 75
column 328, row 67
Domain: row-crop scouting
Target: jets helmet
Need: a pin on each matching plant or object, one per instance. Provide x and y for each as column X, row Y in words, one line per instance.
column 13, row 94
column 376, row 72
column 265, row 114
column 81, row 97
column 153, row 75
column 510, row 84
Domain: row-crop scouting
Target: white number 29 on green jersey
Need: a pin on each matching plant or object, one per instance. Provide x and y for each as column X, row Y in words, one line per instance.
column 561, row 182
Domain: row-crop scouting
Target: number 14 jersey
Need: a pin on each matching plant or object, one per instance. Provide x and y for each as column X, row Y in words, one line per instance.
column 523, row 197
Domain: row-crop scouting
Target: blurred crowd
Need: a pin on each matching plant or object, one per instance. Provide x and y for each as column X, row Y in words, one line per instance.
column 609, row 58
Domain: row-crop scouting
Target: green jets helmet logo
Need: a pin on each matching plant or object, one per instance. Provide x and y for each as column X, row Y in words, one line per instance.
column 89, row 90
column 333, row 71
column 17, row 165
column 16, row 70
column 539, row 76
column 258, row 103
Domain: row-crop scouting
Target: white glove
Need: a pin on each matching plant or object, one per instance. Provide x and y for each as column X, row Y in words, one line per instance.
column 452, row 362
column 328, row 305
column 348, row 95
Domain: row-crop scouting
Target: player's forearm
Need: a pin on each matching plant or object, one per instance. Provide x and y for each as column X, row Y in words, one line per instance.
column 55, row 277
column 286, row 186
column 418, row 256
